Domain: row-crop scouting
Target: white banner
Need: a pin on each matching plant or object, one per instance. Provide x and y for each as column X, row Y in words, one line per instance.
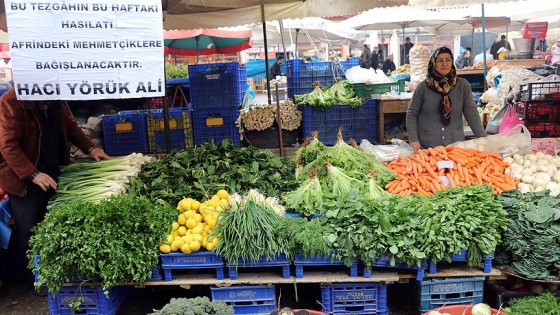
column 85, row 50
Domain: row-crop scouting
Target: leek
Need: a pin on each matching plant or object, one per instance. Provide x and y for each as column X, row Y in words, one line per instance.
column 96, row 181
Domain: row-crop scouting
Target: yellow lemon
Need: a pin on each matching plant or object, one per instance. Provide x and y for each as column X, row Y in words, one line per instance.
column 191, row 223
column 169, row 239
column 210, row 223
column 182, row 231
column 222, row 193
column 175, row 233
column 195, row 246
column 197, row 217
column 176, row 245
column 175, row 225
column 189, row 213
column 177, row 238
column 188, row 238
column 214, row 203
column 185, row 248
column 197, row 237
column 195, row 205
column 210, row 246
column 181, row 220
column 185, row 204
column 207, row 229
column 224, row 204
column 165, row 248
column 204, row 241
column 215, row 241
column 197, row 230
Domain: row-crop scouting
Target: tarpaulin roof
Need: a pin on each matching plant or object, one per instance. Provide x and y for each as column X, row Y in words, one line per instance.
column 191, row 14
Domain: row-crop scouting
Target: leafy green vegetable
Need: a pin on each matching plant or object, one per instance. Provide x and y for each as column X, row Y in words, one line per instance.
column 532, row 239
column 175, row 72
column 544, row 304
column 411, row 229
column 247, row 233
column 307, row 199
column 304, row 236
column 341, row 93
column 199, row 171
column 116, row 239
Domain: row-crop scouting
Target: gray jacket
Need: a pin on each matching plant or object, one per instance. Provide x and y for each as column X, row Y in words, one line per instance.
column 423, row 121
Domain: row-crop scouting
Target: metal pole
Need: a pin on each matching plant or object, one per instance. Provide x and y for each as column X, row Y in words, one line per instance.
column 484, row 43
column 297, row 52
column 197, row 38
column 266, row 56
column 279, row 123
column 281, row 24
column 165, row 113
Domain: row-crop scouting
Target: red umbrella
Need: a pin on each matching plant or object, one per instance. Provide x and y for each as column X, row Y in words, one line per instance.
column 206, row 41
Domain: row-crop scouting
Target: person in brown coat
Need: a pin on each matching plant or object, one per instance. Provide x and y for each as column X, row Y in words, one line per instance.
column 35, row 139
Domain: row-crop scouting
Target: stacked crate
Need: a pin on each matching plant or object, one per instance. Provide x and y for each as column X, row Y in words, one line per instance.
column 250, row 300
column 216, row 92
column 436, row 293
column 125, row 133
column 356, row 122
column 539, row 109
column 368, row 298
column 301, row 75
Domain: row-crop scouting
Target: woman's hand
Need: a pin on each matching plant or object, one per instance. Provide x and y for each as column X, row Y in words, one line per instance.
column 415, row 145
column 44, row 181
column 97, row 154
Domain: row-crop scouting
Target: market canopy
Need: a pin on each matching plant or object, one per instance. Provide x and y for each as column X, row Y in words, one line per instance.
column 191, row 14
column 206, row 41
column 396, row 18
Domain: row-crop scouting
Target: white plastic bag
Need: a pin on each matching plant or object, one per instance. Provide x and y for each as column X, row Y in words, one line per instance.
column 516, row 140
column 388, row 152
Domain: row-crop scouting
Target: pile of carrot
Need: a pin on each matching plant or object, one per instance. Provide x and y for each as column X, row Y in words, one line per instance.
column 420, row 174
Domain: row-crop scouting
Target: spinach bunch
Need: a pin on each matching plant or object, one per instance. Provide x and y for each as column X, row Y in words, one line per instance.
column 304, row 236
column 532, row 239
column 544, row 304
column 116, row 240
column 411, row 229
column 198, row 172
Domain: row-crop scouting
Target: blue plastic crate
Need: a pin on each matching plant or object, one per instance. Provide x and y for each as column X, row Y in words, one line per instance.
column 321, row 261
column 250, row 300
column 180, row 129
column 462, row 257
column 199, row 260
column 70, row 279
column 217, row 84
column 345, row 65
column 297, row 215
column 280, row 260
column 435, row 293
column 301, row 75
column 355, row 298
column 215, row 123
column 385, row 262
column 94, row 300
column 5, row 215
column 125, row 133
column 358, row 123
column 156, row 274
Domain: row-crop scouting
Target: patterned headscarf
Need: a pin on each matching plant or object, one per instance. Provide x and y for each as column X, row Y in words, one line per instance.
column 442, row 84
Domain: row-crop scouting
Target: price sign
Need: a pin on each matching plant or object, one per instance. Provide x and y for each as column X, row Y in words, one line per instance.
column 445, row 164
column 445, row 180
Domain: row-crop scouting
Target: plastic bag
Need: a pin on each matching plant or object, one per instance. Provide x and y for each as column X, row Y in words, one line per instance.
column 493, row 126
column 515, row 140
column 509, row 121
column 389, row 152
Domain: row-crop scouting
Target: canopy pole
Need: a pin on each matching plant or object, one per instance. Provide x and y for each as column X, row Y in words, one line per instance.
column 484, row 43
column 266, row 55
column 281, row 24
column 165, row 113
column 297, row 34
column 197, row 39
column 403, row 61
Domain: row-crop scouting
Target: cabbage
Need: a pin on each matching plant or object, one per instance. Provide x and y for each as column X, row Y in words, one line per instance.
column 481, row 309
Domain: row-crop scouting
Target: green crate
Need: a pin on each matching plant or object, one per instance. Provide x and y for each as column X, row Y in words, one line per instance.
column 366, row 90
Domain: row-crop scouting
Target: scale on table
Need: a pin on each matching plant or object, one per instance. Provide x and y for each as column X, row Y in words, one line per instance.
column 525, row 46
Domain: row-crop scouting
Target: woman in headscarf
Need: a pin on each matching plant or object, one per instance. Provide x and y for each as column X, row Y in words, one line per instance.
column 435, row 113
